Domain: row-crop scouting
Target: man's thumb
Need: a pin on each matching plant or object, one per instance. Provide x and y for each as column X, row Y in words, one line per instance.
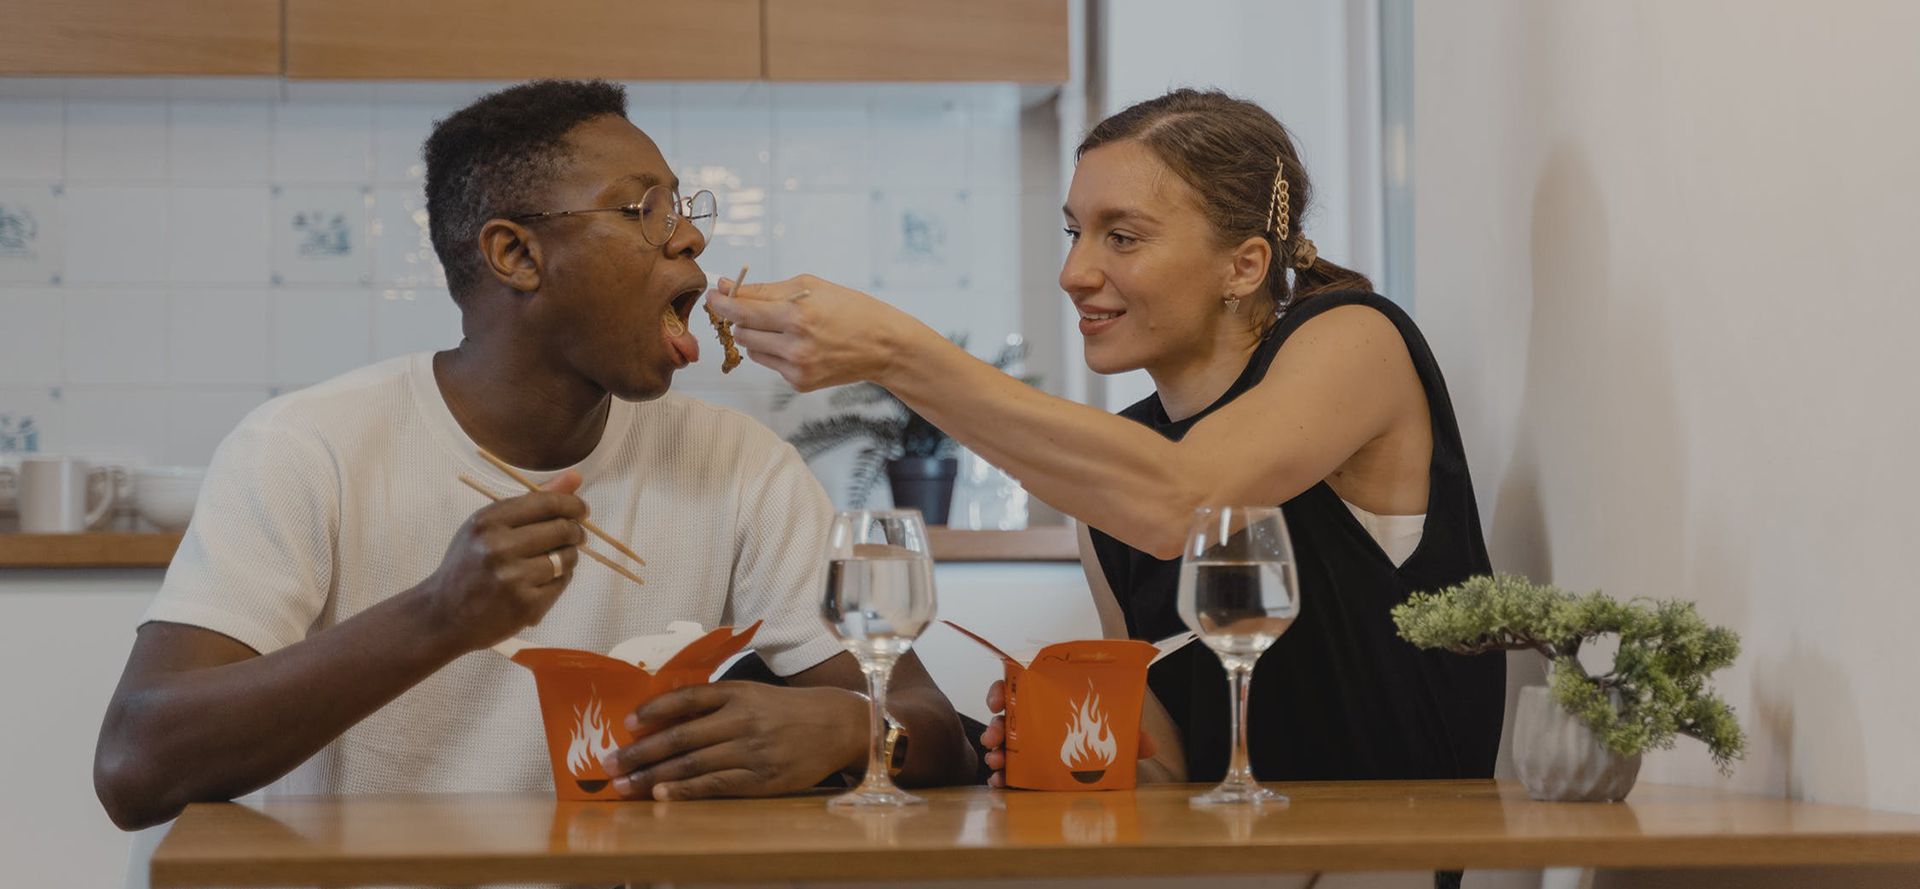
column 566, row 482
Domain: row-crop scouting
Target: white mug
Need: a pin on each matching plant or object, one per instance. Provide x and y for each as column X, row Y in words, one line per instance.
column 54, row 493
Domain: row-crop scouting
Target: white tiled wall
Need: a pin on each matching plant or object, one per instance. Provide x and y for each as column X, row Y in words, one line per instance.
column 174, row 252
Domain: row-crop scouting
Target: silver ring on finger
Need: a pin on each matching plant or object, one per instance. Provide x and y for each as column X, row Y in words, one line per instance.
column 559, row 567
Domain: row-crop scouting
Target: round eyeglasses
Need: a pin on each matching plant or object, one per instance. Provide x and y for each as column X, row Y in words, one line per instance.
column 659, row 213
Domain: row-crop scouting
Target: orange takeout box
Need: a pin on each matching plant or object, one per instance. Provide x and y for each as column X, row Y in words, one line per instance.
column 1073, row 712
column 585, row 697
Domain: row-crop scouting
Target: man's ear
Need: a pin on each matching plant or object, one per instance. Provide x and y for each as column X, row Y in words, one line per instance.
column 511, row 254
column 1248, row 272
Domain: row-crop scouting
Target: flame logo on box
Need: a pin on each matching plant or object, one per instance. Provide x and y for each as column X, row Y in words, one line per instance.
column 1090, row 747
column 592, row 739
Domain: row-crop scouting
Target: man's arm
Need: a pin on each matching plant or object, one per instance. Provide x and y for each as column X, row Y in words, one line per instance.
column 199, row 716
column 751, row 739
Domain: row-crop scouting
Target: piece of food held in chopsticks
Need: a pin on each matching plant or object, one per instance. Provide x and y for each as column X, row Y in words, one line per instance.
column 724, row 328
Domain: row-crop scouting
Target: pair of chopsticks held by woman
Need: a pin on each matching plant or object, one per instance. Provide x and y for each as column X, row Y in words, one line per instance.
column 325, row 625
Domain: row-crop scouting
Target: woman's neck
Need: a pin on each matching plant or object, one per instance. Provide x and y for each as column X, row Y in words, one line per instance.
column 1197, row 378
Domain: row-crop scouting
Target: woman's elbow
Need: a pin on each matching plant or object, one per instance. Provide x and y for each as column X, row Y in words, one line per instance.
column 1160, row 530
column 1162, row 535
column 1165, row 547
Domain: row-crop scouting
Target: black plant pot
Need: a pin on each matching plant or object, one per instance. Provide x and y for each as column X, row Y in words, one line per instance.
column 925, row 484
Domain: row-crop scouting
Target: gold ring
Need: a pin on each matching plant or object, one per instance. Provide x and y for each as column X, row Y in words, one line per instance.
column 559, row 567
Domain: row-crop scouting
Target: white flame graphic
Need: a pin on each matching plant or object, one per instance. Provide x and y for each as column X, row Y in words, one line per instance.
column 592, row 739
column 1089, row 745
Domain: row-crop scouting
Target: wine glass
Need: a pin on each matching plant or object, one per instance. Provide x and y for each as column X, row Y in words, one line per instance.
column 879, row 599
column 1239, row 591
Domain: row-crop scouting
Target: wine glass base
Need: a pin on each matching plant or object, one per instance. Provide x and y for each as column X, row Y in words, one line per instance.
column 1238, row 795
column 874, row 798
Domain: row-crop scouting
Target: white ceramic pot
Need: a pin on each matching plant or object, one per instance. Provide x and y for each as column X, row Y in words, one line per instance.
column 166, row 494
column 1560, row 759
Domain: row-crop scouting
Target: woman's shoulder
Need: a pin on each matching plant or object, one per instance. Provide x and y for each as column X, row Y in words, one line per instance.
column 1342, row 322
column 1349, row 304
column 1354, row 342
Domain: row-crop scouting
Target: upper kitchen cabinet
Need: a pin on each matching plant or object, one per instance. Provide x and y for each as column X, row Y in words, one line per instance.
column 501, row 40
column 138, row 37
column 1013, row 40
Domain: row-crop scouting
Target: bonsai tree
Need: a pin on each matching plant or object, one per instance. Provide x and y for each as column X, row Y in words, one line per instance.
column 1659, row 673
column 884, row 426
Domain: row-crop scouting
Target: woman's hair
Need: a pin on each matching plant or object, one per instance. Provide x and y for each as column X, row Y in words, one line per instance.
column 1242, row 164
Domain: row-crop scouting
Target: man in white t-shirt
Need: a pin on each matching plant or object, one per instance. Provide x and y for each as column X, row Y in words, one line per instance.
column 317, row 614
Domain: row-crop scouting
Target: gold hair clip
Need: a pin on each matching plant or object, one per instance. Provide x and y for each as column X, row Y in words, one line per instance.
column 1278, row 209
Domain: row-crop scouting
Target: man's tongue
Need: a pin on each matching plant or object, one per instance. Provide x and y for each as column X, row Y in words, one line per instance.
column 678, row 338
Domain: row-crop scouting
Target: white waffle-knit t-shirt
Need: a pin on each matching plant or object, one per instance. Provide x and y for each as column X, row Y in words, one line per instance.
column 329, row 500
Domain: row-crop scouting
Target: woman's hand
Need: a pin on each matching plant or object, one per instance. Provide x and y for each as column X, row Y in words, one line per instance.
column 995, row 736
column 816, row 333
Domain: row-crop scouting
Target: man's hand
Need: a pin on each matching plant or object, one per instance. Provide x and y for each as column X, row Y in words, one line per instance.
column 499, row 574
column 994, row 737
column 731, row 739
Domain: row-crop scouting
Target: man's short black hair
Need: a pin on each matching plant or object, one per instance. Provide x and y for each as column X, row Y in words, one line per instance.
column 493, row 159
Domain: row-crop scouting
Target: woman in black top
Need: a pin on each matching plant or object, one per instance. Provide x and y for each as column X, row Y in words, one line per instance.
column 1280, row 378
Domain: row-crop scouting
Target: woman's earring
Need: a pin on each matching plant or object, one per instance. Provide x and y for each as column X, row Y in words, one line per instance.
column 1233, row 304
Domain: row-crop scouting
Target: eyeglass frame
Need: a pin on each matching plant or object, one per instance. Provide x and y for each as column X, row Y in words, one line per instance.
column 674, row 209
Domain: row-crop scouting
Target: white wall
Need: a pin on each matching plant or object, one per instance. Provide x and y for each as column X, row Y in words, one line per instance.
column 1664, row 253
column 63, row 638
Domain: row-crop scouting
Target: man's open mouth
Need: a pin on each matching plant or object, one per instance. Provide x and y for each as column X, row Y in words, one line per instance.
column 684, row 302
column 673, row 325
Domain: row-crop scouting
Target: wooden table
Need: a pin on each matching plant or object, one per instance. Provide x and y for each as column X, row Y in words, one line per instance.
column 978, row 833
column 102, row 549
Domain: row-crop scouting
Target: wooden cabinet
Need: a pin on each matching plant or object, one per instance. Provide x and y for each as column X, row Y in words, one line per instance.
column 817, row 40
column 1017, row 40
column 502, row 40
column 140, row 37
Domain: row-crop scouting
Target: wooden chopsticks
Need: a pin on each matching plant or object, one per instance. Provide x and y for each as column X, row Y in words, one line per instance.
column 520, row 477
column 588, row 551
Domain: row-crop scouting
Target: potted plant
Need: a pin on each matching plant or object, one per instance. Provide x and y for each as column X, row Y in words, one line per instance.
column 916, row 456
column 1580, row 736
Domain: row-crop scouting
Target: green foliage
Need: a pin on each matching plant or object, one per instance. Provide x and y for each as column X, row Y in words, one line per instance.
column 884, row 425
column 1657, row 687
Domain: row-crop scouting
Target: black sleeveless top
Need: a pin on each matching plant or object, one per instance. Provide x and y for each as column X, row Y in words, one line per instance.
column 1341, row 695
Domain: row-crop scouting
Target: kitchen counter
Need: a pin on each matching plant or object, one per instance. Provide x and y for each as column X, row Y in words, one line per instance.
column 974, row 832
column 115, row 550
column 91, row 550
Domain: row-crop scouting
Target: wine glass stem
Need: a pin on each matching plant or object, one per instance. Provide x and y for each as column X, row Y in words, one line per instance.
column 879, row 673
column 1239, row 682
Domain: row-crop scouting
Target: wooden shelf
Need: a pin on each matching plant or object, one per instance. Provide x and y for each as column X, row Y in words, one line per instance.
column 109, row 550
column 1055, row 543
column 90, row 550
